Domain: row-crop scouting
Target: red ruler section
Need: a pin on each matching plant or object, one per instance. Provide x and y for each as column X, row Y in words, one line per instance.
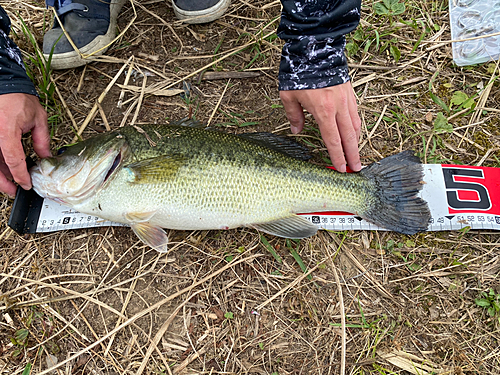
column 472, row 189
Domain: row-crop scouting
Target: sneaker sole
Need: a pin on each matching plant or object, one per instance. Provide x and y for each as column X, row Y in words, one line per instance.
column 74, row 59
column 202, row 16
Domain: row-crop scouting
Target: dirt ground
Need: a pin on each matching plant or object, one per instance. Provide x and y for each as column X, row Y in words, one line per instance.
column 97, row 301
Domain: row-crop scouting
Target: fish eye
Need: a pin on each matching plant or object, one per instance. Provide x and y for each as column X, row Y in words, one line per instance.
column 61, row 150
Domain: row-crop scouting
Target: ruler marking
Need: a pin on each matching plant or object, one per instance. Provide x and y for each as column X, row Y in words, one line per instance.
column 56, row 217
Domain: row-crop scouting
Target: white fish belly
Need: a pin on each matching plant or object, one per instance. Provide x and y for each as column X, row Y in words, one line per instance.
column 214, row 200
column 192, row 219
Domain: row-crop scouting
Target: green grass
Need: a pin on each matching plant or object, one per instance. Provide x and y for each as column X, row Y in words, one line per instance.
column 39, row 71
column 490, row 301
column 270, row 248
column 237, row 119
column 296, row 256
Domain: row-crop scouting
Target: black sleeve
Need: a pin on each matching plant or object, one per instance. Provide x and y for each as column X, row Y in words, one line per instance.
column 314, row 34
column 13, row 77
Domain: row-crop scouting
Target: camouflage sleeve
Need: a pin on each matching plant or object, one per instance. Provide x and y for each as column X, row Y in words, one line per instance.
column 314, row 34
column 13, row 77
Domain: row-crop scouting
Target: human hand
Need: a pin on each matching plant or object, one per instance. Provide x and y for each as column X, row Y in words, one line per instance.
column 20, row 113
column 336, row 113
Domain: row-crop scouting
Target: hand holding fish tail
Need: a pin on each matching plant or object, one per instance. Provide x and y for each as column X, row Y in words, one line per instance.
column 19, row 114
column 335, row 110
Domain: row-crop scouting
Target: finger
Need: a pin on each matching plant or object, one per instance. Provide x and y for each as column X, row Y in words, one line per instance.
column 353, row 111
column 349, row 140
column 41, row 137
column 3, row 168
column 7, row 187
column 293, row 111
column 14, row 158
column 331, row 137
column 324, row 111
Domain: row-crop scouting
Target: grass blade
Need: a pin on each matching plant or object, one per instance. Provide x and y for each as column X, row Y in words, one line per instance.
column 271, row 249
column 297, row 258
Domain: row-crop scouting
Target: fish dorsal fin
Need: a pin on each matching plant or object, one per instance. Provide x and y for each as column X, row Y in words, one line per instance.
column 156, row 169
column 289, row 227
column 285, row 145
column 189, row 122
column 152, row 235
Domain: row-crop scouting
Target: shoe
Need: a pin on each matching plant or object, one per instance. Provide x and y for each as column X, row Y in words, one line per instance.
column 91, row 24
column 200, row 11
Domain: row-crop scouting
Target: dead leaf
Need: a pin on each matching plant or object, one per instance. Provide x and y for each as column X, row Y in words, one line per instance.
column 411, row 363
column 429, row 117
column 152, row 91
column 51, row 360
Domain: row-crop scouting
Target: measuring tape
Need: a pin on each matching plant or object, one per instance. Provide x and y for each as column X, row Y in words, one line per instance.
column 458, row 197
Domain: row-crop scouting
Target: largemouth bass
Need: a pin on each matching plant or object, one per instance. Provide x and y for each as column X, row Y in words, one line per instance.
column 180, row 177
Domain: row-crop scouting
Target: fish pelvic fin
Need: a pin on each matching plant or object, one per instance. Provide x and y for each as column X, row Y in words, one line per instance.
column 139, row 217
column 157, row 169
column 398, row 179
column 294, row 226
column 152, row 235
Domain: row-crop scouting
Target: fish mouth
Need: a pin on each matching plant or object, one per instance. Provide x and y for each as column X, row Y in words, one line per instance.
column 116, row 162
column 95, row 180
column 89, row 178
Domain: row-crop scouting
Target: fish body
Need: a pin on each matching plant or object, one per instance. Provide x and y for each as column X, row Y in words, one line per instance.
column 181, row 177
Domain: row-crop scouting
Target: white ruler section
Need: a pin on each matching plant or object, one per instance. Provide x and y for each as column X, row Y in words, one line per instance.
column 54, row 217
column 458, row 197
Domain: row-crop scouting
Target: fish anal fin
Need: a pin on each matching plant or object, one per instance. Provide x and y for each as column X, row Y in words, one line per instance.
column 158, row 169
column 152, row 235
column 289, row 227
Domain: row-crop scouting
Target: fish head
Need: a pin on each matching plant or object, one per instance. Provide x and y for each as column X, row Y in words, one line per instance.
column 80, row 170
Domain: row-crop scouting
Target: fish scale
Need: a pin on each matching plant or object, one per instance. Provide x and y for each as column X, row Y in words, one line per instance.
column 181, row 177
column 219, row 192
column 214, row 178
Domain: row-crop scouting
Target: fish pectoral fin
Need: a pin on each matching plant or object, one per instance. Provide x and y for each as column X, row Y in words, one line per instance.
column 289, row 227
column 152, row 235
column 161, row 168
column 139, row 217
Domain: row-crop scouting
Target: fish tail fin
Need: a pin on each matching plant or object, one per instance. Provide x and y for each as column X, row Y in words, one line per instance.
column 396, row 207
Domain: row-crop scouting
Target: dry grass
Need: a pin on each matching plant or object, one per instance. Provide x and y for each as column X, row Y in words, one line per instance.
column 98, row 302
